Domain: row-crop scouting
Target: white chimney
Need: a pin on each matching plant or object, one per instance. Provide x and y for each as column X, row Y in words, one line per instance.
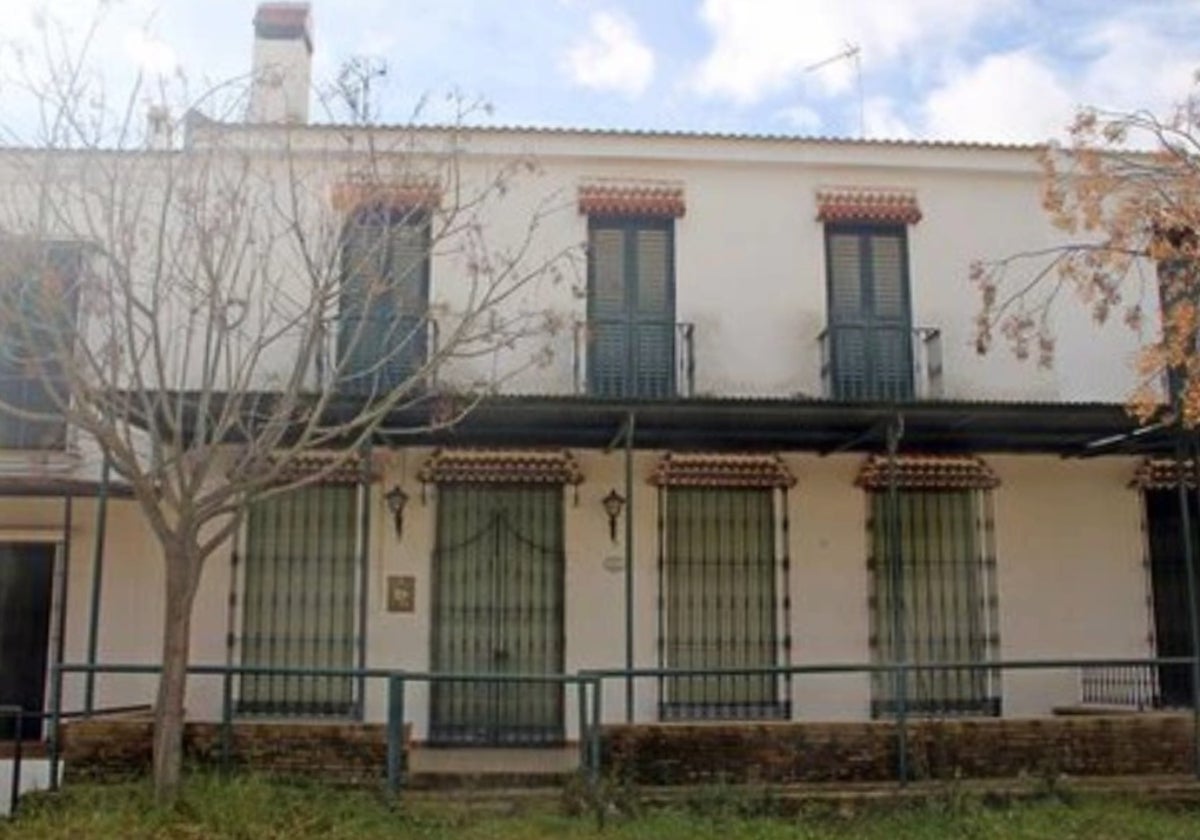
column 282, row 67
column 159, row 130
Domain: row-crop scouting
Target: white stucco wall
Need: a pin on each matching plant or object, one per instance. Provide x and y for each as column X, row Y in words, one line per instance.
column 1070, row 579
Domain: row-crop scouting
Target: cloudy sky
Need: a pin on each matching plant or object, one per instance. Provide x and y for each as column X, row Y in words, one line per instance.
column 1004, row 70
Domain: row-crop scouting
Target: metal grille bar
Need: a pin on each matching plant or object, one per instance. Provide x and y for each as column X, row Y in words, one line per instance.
column 720, row 580
column 300, row 606
column 498, row 609
column 946, row 597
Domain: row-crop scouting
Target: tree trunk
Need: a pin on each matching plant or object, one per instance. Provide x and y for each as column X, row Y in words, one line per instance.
column 172, row 684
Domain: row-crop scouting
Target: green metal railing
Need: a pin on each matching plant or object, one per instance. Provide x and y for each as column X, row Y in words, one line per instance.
column 589, row 685
column 397, row 681
column 900, row 672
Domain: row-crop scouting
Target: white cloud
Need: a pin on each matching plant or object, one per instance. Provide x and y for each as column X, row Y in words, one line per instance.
column 152, row 55
column 763, row 46
column 801, row 119
column 1022, row 96
column 882, row 120
column 1010, row 97
column 612, row 57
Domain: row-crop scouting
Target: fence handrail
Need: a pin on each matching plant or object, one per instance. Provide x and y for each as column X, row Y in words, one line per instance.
column 590, row 682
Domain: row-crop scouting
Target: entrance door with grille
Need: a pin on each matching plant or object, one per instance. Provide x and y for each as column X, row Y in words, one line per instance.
column 1168, row 580
column 25, row 582
column 498, row 609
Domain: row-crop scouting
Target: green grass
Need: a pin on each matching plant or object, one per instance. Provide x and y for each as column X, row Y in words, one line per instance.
column 253, row 808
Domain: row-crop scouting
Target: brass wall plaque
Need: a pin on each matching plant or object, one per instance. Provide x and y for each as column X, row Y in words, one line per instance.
column 401, row 593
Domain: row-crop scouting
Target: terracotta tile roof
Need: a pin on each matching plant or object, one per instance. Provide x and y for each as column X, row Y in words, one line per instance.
column 704, row 469
column 928, row 472
column 632, row 198
column 1162, row 474
column 529, row 466
column 414, row 193
column 857, row 204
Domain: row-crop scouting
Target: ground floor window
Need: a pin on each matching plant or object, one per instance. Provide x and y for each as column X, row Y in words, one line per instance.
column 723, row 585
column 933, row 599
column 300, row 600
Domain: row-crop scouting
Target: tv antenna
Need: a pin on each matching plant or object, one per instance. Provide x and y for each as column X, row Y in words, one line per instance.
column 850, row 52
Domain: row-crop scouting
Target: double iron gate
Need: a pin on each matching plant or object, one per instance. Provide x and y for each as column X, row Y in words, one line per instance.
column 498, row 609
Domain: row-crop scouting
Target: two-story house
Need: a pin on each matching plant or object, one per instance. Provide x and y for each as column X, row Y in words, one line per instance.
column 698, row 477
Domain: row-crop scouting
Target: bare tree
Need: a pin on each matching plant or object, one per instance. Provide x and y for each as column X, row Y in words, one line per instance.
column 220, row 307
column 1125, row 190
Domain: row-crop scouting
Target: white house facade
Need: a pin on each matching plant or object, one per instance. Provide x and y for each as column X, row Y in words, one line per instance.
column 761, row 437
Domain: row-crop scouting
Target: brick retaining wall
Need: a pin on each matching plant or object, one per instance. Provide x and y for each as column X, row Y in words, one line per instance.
column 674, row 754
column 118, row 748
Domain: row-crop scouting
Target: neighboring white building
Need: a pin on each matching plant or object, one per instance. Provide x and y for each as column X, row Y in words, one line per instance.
column 756, row 315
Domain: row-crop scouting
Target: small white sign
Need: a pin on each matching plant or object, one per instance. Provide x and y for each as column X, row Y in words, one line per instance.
column 614, row 563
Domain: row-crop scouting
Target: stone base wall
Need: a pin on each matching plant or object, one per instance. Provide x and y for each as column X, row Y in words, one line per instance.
column 781, row 753
column 120, row 748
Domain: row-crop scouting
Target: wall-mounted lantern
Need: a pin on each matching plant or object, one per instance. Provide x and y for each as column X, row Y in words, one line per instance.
column 613, row 503
column 396, row 499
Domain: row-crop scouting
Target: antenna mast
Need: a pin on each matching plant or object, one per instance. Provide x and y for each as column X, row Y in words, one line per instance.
column 850, row 52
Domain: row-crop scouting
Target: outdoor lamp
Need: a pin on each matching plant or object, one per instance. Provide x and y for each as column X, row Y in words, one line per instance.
column 613, row 503
column 396, row 500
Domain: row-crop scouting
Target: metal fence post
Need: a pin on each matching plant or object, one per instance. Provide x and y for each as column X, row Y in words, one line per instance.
column 18, row 717
column 397, row 749
column 594, row 731
column 226, row 720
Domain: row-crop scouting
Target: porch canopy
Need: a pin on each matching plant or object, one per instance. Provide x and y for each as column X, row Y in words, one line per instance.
column 824, row 426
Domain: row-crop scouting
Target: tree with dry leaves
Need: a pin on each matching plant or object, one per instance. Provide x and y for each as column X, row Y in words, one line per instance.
column 216, row 308
column 1125, row 192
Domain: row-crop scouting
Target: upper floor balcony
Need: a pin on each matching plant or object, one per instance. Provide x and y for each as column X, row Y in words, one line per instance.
column 640, row 358
column 891, row 363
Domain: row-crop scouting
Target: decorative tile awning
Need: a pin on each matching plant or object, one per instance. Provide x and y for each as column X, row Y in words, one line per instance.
column 661, row 199
column 413, row 194
column 1162, row 474
column 701, row 469
column 856, row 204
column 348, row 471
column 928, row 472
column 528, row 466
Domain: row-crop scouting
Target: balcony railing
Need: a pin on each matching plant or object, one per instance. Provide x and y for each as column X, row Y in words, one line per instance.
column 413, row 341
column 876, row 362
column 634, row 358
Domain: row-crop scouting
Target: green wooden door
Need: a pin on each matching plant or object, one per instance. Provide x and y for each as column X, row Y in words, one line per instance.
column 498, row 609
column 870, row 318
column 631, row 308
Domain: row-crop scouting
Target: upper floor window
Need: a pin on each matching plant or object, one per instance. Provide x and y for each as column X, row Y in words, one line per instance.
column 631, row 326
column 383, row 316
column 37, row 316
column 870, row 318
column 871, row 350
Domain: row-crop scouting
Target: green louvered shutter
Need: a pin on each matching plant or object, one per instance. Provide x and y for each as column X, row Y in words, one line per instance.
column 869, row 313
column 631, row 308
column 608, row 326
column 384, row 300
column 654, row 314
column 300, row 600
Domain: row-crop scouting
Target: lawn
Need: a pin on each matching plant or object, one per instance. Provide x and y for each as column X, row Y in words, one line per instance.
column 252, row 808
